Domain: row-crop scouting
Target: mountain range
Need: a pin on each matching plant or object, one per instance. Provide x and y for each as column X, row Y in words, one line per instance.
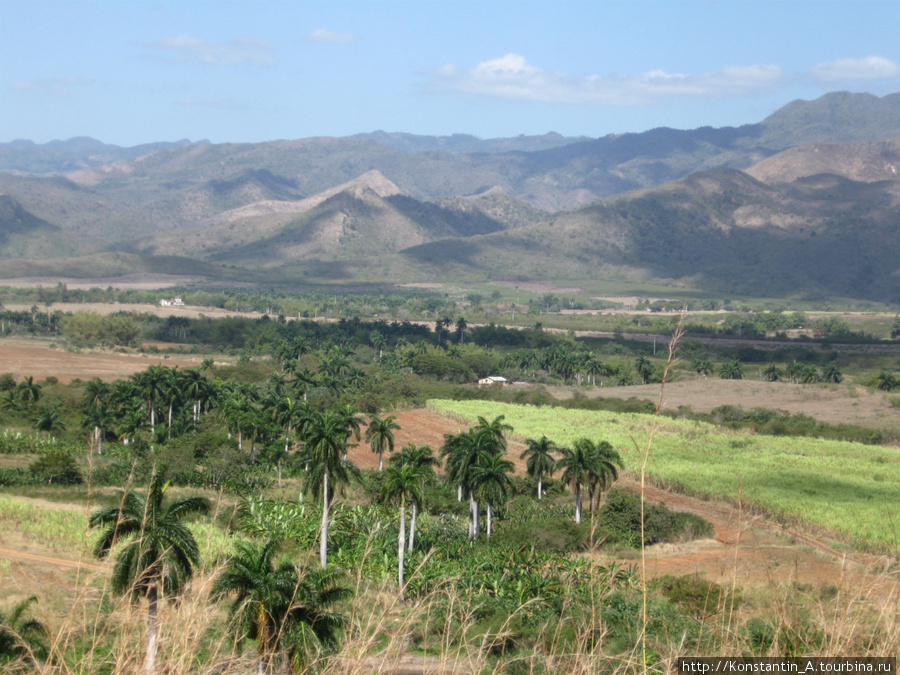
column 804, row 202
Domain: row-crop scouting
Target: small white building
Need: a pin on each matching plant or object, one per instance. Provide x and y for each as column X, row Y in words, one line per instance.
column 174, row 302
column 491, row 380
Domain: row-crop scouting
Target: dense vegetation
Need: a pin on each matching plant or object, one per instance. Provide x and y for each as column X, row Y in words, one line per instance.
column 515, row 571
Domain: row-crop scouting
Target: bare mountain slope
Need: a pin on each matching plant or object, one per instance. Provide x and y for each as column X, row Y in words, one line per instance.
column 722, row 230
column 868, row 162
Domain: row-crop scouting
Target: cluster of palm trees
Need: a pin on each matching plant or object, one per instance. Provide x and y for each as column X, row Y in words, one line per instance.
column 562, row 361
column 476, row 462
column 276, row 603
column 24, row 398
column 803, row 373
column 586, row 463
column 167, row 402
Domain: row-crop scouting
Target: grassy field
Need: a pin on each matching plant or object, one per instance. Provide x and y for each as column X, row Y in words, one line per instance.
column 843, row 489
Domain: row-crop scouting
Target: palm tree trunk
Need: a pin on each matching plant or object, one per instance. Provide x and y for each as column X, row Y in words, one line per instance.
column 488, row 520
column 540, row 485
column 412, row 524
column 261, row 640
column 152, row 631
column 459, row 492
column 323, row 538
column 578, row 503
column 401, row 546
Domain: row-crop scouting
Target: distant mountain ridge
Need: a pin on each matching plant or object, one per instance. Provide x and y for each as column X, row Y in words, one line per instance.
column 23, row 156
column 740, row 210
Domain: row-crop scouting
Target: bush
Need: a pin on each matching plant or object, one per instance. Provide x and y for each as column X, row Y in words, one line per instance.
column 695, row 594
column 56, row 467
column 545, row 535
column 621, row 514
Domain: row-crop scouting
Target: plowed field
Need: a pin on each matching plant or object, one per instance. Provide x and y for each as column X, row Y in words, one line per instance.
column 26, row 357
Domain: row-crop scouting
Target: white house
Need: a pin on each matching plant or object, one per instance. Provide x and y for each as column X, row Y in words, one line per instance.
column 493, row 379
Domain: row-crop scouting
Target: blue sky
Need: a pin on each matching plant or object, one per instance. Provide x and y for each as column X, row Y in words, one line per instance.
column 138, row 71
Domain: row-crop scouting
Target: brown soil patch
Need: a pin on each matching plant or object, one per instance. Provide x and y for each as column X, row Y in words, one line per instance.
column 843, row 403
column 27, row 357
column 144, row 282
column 750, row 551
column 104, row 308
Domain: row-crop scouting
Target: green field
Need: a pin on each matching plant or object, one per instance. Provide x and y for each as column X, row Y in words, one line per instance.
column 844, row 489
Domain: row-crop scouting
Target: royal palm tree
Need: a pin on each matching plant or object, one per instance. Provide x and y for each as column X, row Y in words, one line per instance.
column 160, row 554
column 277, row 607
column 402, row 482
column 577, row 464
column 152, row 385
column 461, row 325
column 22, row 639
column 491, row 482
column 99, row 419
column 603, row 466
column 324, row 450
column 419, row 456
column 380, row 436
column 540, row 460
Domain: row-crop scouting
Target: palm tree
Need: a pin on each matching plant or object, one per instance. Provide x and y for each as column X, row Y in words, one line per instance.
column 152, row 385
column 887, row 381
column 197, row 388
column 274, row 606
column 604, row 461
column 29, row 391
column 578, row 463
column 21, row 638
column 461, row 325
column 772, row 373
column 402, row 481
column 95, row 393
column 830, row 373
column 644, row 368
column 380, row 435
column 490, row 482
column 100, row 420
column 540, row 461
column 420, row 457
column 161, row 551
column 48, row 419
column 263, row 592
column 702, row 367
column 464, row 451
column 731, row 370
column 325, row 448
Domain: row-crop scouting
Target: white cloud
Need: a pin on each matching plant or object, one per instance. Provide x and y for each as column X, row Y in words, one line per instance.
column 869, row 68
column 237, row 51
column 512, row 77
column 57, row 86
column 322, row 35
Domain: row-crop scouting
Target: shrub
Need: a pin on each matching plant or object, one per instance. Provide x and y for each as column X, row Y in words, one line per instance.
column 56, row 467
column 621, row 514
